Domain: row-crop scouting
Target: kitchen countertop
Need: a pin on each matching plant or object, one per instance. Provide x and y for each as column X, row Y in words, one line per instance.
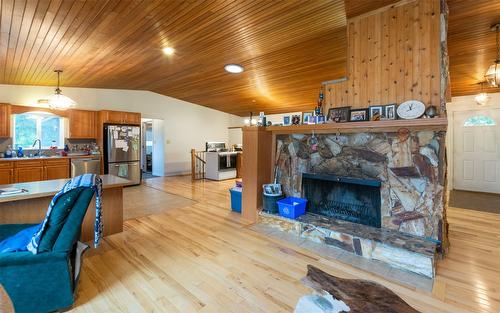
column 46, row 188
column 52, row 157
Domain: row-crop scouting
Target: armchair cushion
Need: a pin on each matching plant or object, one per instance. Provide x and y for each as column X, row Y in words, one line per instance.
column 7, row 230
column 19, row 240
column 57, row 218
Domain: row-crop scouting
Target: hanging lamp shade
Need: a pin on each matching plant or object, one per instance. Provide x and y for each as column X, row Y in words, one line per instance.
column 492, row 75
column 58, row 101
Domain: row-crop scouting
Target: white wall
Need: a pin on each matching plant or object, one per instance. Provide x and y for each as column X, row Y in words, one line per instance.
column 460, row 104
column 186, row 125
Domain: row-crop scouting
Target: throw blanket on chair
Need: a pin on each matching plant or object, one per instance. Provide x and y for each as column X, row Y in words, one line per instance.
column 86, row 180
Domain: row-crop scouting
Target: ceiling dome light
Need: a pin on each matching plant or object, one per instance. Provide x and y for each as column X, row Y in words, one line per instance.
column 482, row 99
column 234, row 68
column 168, row 50
column 58, row 101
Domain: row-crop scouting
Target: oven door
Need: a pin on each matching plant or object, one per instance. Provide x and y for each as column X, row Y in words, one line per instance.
column 227, row 161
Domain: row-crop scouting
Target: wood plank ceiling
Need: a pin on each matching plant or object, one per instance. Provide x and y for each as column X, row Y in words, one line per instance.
column 471, row 43
column 287, row 47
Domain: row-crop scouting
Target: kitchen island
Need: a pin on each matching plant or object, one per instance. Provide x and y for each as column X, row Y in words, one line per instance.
column 31, row 206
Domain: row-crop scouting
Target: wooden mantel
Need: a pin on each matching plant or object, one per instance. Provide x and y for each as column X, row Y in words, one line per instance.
column 432, row 124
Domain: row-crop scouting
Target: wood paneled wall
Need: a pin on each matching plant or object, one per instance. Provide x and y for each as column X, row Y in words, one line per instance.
column 393, row 56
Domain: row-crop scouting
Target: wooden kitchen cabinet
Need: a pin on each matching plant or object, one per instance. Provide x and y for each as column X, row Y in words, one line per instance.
column 82, row 124
column 4, row 120
column 56, row 169
column 133, row 118
column 28, row 171
column 28, row 174
column 6, row 172
column 119, row 117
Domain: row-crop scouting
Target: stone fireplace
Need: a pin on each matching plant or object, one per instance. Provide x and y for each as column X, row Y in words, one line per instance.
column 379, row 195
column 346, row 198
column 410, row 167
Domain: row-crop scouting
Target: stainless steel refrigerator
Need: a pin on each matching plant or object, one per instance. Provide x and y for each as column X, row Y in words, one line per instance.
column 122, row 151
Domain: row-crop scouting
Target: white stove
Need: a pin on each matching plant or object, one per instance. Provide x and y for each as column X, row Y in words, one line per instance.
column 221, row 164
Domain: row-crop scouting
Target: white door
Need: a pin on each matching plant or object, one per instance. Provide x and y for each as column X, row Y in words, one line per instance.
column 158, row 148
column 476, row 152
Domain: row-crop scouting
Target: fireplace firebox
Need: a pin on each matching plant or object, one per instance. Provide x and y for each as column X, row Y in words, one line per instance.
column 351, row 199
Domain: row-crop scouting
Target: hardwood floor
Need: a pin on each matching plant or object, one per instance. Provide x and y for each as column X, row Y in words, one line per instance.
column 203, row 258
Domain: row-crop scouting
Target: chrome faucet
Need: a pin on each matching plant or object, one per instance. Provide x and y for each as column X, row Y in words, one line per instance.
column 39, row 153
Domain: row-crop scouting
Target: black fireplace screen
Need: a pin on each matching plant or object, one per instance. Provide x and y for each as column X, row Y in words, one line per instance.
column 350, row 199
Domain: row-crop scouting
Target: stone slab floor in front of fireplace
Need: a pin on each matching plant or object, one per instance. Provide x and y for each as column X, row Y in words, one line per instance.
column 327, row 251
column 399, row 250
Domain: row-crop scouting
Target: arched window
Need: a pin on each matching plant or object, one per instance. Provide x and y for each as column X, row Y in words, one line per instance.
column 479, row 120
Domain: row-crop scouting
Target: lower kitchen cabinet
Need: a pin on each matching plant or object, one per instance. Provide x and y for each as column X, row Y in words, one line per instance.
column 28, row 174
column 56, row 169
column 6, row 173
column 25, row 171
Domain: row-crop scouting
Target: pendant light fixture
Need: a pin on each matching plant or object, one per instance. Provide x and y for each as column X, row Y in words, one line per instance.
column 482, row 98
column 492, row 76
column 58, row 101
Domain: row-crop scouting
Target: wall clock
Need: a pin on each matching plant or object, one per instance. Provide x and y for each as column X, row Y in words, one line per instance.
column 411, row 109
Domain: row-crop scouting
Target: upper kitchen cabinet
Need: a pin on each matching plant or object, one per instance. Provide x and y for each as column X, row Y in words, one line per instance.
column 4, row 120
column 119, row 117
column 82, row 124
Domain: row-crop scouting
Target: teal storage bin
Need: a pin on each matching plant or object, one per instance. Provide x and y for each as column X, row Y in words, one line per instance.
column 235, row 199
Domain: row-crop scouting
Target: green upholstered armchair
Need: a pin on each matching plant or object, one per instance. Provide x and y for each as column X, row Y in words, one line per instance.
column 46, row 281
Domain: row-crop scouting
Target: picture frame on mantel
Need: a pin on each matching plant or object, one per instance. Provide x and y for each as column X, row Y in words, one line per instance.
column 338, row 115
column 358, row 115
column 305, row 117
column 390, row 112
column 376, row 112
column 287, row 120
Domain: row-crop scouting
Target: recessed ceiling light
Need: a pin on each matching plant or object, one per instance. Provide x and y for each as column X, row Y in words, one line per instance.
column 234, row 68
column 168, row 50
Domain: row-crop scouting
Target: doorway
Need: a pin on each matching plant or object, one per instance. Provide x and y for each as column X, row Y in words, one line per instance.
column 476, row 150
column 152, row 161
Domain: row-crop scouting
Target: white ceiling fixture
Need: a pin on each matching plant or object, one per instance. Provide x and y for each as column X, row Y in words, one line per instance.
column 168, row 50
column 234, row 68
column 482, row 98
column 492, row 76
column 58, row 101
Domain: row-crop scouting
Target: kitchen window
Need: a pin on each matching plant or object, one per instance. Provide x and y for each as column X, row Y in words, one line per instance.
column 27, row 127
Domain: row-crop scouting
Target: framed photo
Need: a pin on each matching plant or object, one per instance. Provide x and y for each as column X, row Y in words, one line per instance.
column 287, row 120
column 376, row 113
column 305, row 117
column 390, row 112
column 358, row 115
column 296, row 119
column 313, row 119
column 338, row 115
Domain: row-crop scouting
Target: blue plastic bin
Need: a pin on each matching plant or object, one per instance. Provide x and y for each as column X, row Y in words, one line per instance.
column 292, row 207
column 235, row 200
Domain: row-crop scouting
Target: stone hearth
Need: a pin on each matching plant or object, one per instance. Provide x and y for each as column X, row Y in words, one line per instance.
column 399, row 250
